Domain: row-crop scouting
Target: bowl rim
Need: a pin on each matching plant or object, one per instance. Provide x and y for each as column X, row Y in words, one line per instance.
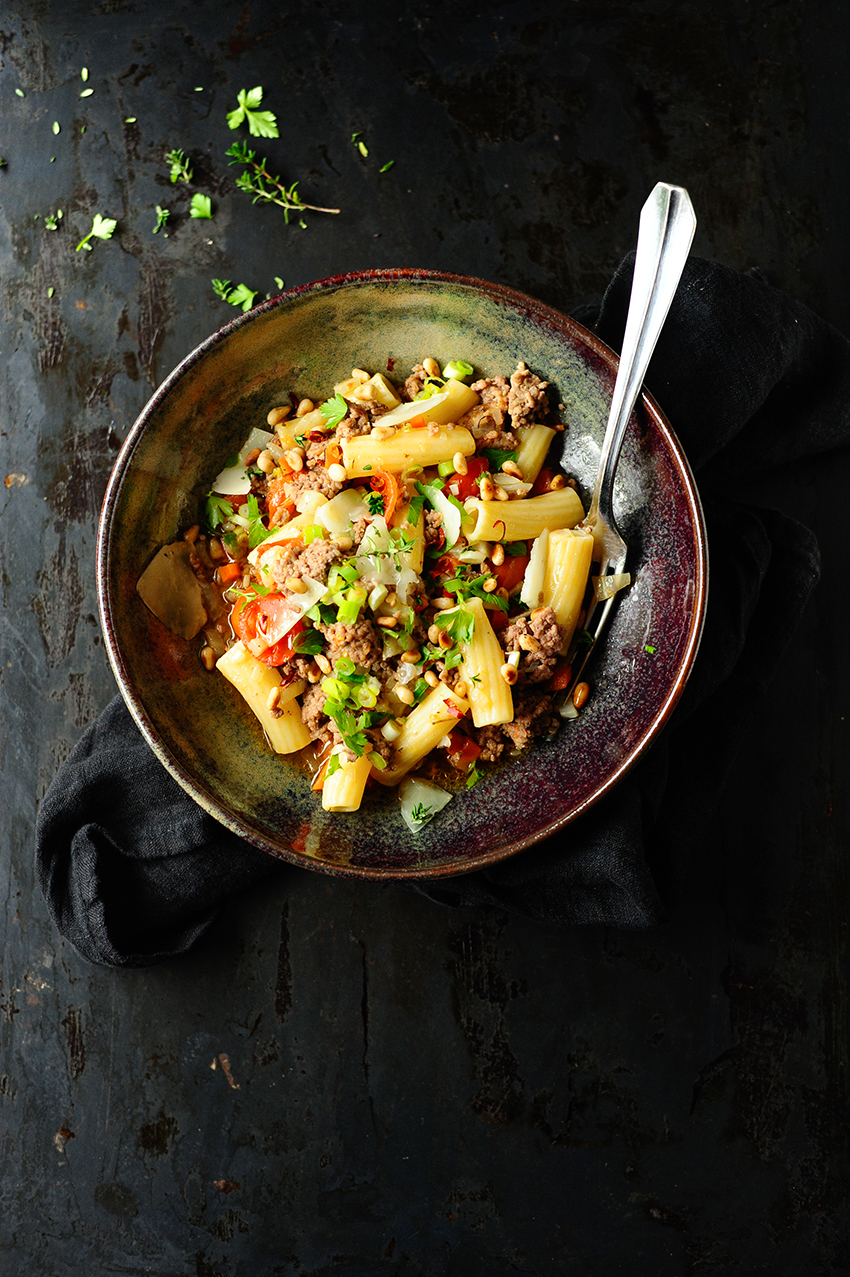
column 201, row 793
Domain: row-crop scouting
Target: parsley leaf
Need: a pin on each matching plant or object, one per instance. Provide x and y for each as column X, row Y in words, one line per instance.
column 309, row 643
column 498, row 456
column 466, row 587
column 181, row 169
column 201, row 206
column 333, row 411
column 241, row 295
column 257, row 533
column 375, row 502
column 162, row 216
column 260, row 123
column 101, row 228
column 458, row 622
column 216, row 510
column 514, row 548
column 475, row 774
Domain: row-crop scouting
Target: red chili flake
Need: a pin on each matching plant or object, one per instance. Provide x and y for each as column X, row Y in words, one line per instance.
column 452, row 708
column 504, row 529
column 390, row 364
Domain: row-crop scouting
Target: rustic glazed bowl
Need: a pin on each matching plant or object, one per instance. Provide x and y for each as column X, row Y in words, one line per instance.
column 303, row 341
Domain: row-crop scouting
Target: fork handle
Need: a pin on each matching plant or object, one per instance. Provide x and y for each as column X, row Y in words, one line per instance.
column 667, row 225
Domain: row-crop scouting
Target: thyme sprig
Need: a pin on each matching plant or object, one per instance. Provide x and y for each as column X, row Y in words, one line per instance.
column 267, row 188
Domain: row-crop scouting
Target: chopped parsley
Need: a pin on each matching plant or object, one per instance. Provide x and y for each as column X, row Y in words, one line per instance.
column 475, row 774
column 216, row 510
column 201, row 206
column 514, row 548
column 241, row 295
column 181, row 169
column 101, row 228
column 472, row 587
column 257, row 532
column 308, row 643
column 162, row 216
column 421, row 814
column 498, row 456
column 649, row 649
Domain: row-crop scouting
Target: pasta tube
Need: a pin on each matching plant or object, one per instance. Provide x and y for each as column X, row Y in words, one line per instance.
column 343, row 791
column 422, row 730
column 565, row 580
column 525, row 518
column 365, row 454
column 256, row 682
column 534, row 444
column 489, row 694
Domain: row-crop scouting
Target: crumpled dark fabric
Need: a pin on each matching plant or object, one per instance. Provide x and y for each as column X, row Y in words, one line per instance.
column 134, row 872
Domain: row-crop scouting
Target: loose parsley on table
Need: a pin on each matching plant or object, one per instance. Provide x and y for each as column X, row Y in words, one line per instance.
column 181, row 169
column 162, row 216
column 266, row 187
column 260, row 123
column 201, row 205
column 240, row 295
column 101, row 228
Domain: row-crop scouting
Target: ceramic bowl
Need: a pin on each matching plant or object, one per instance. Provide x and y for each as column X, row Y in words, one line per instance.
column 304, row 340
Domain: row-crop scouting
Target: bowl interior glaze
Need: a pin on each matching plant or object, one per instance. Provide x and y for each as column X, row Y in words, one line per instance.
column 305, row 340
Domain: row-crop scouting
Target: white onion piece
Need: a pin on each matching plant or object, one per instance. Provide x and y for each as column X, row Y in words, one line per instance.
column 512, row 484
column 414, row 793
column 568, row 710
column 343, row 509
column 532, row 583
column 232, row 482
column 451, row 515
column 406, row 672
column 605, row 587
column 407, row 411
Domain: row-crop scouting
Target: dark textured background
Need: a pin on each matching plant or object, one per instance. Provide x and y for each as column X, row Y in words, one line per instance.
column 410, row 1090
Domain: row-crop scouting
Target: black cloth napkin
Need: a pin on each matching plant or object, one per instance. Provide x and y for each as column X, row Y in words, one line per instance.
column 134, row 872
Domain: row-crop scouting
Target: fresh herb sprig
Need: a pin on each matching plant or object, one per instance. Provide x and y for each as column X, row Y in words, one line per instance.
column 162, row 216
column 52, row 220
column 201, row 205
column 333, row 410
column 181, row 169
column 267, row 188
column 238, row 295
column 260, row 123
column 101, row 228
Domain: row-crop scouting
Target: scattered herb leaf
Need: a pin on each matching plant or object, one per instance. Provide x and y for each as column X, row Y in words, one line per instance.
column 51, row 221
column 181, row 169
column 84, row 73
column 101, row 228
column 498, row 456
column 162, row 216
column 20, row 93
column 56, row 127
column 649, row 649
column 86, row 93
column 385, row 167
column 421, row 814
column 333, row 411
column 216, row 510
column 260, row 123
column 201, row 205
column 241, row 295
column 51, row 291
column 375, row 502
column 130, row 119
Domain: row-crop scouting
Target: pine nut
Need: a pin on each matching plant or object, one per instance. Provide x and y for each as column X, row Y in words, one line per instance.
column 509, row 674
column 294, row 458
column 557, row 482
column 208, row 657
column 497, row 555
column 305, row 406
column 359, row 374
column 404, row 694
column 580, row 694
column 344, row 542
column 445, row 641
column 460, row 689
column 252, row 457
column 338, row 473
column 278, row 415
column 431, row 367
column 571, row 483
column 382, row 432
column 273, row 698
column 459, row 463
column 387, row 622
column 511, row 467
column 296, row 585
column 322, row 662
column 392, row 599
column 487, row 488
column 490, row 585
column 434, row 633
column 265, row 461
column 191, row 534
column 313, row 673
column 215, row 548
column 501, row 494
column 442, row 604
column 413, row 657
column 430, row 678
column 529, row 643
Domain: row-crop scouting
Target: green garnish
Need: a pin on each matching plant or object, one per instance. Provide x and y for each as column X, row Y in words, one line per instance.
column 51, row 291
column 385, row 167
column 241, row 295
column 267, row 188
column 181, row 169
column 458, row 369
column 458, row 622
column 513, row 549
column 498, row 456
column 84, row 73
column 101, row 228
column 649, row 649
column 347, row 693
column 130, row 119
column 201, row 206
column 475, row 774
column 260, row 123
column 333, row 411
column 52, row 220
column 415, row 509
column 431, row 386
column 20, row 93
column 162, row 216
column 86, row 93
column 309, row 643
column 472, row 587
column 216, row 510
column 56, row 127
column 421, row 814
column 376, row 503
column 257, row 533
column 3, row 162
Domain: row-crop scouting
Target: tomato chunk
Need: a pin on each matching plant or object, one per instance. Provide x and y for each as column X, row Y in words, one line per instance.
column 258, row 623
column 466, row 485
column 462, row 751
column 510, row 573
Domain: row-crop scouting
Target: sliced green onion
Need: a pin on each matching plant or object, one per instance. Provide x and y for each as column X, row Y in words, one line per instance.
column 445, row 468
column 458, row 369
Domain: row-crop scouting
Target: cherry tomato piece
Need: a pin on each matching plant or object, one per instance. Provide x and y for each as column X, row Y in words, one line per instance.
column 462, row 751
column 466, row 485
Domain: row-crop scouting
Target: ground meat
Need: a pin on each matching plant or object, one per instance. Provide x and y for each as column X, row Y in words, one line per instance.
column 312, row 710
column 491, row 743
column 314, row 562
column 314, row 454
column 358, row 529
column 361, row 642
column 306, row 479
column 494, row 393
column 380, row 745
column 358, row 422
column 542, row 632
column 533, row 716
column 527, row 399
column 490, row 438
column 414, row 383
column 434, row 534
column 295, row 667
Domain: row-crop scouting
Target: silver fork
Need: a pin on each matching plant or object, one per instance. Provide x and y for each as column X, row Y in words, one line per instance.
column 667, row 225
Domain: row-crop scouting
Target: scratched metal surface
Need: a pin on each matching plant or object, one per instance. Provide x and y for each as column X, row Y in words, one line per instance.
column 343, row 1078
